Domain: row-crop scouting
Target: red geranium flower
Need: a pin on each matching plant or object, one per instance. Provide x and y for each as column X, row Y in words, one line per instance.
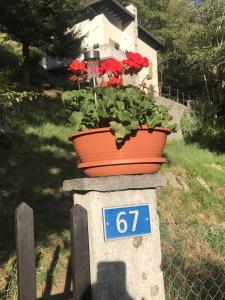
column 113, row 81
column 111, row 65
column 134, row 63
column 145, row 62
column 77, row 67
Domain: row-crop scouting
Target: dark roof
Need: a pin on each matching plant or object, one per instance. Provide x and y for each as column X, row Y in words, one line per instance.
column 123, row 15
column 149, row 39
column 112, row 7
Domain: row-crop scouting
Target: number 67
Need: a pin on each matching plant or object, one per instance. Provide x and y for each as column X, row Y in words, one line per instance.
column 121, row 224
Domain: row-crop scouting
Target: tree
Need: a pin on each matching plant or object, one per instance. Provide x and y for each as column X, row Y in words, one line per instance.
column 42, row 24
column 151, row 13
column 194, row 35
column 208, row 50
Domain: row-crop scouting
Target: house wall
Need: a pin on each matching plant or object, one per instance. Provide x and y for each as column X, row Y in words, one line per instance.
column 98, row 30
column 92, row 30
column 151, row 54
column 111, row 32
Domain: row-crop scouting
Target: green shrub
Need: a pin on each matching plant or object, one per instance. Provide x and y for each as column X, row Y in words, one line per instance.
column 188, row 124
column 203, row 132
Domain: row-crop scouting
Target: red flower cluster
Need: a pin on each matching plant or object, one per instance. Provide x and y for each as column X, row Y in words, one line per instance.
column 78, row 68
column 111, row 65
column 134, row 63
column 113, row 81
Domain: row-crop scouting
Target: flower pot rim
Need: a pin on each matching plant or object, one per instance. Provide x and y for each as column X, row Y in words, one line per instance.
column 126, row 161
column 108, row 129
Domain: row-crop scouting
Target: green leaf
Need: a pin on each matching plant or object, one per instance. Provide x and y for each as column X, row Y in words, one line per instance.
column 119, row 131
column 120, row 105
column 69, row 95
column 153, row 121
column 134, row 124
column 76, row 120
column 101, row 109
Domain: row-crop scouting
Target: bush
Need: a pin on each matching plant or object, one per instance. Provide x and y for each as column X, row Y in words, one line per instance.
column 188, row 125
column 206, row 134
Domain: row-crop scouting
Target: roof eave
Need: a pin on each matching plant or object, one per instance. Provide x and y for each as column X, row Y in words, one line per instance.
column 98, row 5
column 148, row 38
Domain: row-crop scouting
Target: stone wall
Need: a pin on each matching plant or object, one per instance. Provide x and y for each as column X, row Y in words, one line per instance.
column 176, row 110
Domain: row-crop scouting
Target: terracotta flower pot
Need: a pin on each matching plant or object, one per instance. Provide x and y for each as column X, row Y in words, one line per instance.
column 99, row 155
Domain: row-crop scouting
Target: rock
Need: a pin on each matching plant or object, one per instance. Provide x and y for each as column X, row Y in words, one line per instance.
column 203, row 183
column 53, row 94
column 218, row 167
column 177, row 182
column 221, row 191
column 176, row 110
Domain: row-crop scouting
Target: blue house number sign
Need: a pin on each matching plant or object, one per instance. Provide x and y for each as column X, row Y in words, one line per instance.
column 126, row 221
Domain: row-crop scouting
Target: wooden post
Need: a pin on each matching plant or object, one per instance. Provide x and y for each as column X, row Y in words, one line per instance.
column 183, row 97
column 169, row 91
column 177, row 95
column 25, row 253
column 80, row 254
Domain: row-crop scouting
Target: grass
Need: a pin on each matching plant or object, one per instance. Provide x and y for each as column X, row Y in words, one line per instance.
column 193, row 221
column 192, row 164
column 32, row 170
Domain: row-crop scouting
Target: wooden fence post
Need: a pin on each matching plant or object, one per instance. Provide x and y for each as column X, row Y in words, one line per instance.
column 177, row 95
column 183, row 97
column 169, row 91
column 25, row 252
column 80, row 254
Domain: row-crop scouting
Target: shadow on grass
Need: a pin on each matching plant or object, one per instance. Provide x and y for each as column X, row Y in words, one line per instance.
column 67, row 293
column 7, row 57
column 210, row 139
column 32, row 170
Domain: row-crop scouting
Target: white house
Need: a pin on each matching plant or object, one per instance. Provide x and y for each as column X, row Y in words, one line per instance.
column 113, row 29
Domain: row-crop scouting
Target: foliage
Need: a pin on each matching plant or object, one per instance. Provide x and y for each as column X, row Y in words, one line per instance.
column 188, row 124
column 202, row 131
column 151, row 13
column 123, row 109
column 42, row 24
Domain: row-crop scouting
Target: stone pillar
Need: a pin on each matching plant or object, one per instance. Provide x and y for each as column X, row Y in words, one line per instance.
column 129, row 268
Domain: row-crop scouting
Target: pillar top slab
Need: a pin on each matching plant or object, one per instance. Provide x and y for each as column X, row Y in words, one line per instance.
column 115, row 183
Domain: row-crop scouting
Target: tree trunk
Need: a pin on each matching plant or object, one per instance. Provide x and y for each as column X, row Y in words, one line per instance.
column 206, row 83
column 26, row 63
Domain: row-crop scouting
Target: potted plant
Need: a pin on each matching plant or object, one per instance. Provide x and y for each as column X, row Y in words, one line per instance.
column 124, row 131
